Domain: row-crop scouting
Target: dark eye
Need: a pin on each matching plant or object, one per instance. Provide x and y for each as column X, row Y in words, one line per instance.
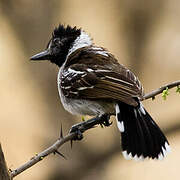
column 57, row 42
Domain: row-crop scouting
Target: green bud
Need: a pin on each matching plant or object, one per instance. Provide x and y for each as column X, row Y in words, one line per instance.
column 165, row 93
column 178, row 89
column 82, row 118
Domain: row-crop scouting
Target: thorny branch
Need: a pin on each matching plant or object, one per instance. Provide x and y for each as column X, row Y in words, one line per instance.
column 160, row 90
column 84, row 126
column 52, row 149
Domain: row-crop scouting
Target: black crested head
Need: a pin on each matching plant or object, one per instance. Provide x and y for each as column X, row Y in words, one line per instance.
column 61, row 42
column 65, row 31
column 59, row 45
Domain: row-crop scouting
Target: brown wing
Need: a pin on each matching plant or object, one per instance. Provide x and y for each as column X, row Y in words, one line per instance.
column 100, row 77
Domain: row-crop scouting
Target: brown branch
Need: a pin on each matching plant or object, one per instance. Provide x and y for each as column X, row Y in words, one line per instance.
column 52, row 149
column 4, row 175
column 160, row 90
column 84, row 126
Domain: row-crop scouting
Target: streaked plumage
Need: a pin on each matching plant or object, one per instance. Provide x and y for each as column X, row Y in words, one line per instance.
column 92, row 82
column 93, row 76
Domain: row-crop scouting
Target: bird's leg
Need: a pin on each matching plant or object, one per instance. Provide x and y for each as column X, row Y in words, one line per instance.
column 83, row 126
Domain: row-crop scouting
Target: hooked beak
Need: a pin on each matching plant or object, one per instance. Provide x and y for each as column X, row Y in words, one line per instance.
column 44, row 55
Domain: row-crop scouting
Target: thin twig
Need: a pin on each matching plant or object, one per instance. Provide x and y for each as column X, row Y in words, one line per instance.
column 84, row 126
column 160, row 90
column 52, row 149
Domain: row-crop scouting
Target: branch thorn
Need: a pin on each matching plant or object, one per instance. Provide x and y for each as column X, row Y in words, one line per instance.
column 61, row 132
column 71, row 143
column 60, row 154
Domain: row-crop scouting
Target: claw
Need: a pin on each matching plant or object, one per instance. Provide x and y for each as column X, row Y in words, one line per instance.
column 101, row 124
column 57, row 152
column 79, row 135
column 105, row 121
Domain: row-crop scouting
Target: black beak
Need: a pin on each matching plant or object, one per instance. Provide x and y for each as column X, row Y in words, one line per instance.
column 44, row 55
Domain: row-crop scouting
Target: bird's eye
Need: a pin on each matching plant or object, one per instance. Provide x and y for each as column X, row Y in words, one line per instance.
column 57, row 41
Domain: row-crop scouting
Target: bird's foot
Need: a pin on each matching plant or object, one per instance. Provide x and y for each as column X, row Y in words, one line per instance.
column 105, row 120
column 77, row 130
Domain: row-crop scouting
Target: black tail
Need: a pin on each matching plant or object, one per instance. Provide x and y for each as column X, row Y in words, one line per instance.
column 141, row 136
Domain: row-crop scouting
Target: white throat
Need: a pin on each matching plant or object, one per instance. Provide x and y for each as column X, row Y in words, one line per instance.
column 82, row 41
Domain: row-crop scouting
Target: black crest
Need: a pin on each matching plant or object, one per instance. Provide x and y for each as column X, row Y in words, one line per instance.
column 57, row 49
column 62, row 40
column 66, row 31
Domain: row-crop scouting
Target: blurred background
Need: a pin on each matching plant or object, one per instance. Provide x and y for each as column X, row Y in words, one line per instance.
column 143, row 35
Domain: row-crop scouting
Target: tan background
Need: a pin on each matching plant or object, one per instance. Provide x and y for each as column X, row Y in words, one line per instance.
column 143, row 35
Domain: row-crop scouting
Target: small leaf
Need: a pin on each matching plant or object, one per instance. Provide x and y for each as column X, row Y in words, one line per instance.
column 165, row 93
column 82, row 118
column 178, row 89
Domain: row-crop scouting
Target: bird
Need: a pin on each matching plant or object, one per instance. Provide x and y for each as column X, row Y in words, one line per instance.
column 92, row 82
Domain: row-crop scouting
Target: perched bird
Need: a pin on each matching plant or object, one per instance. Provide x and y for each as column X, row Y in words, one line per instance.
column 92, row 82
